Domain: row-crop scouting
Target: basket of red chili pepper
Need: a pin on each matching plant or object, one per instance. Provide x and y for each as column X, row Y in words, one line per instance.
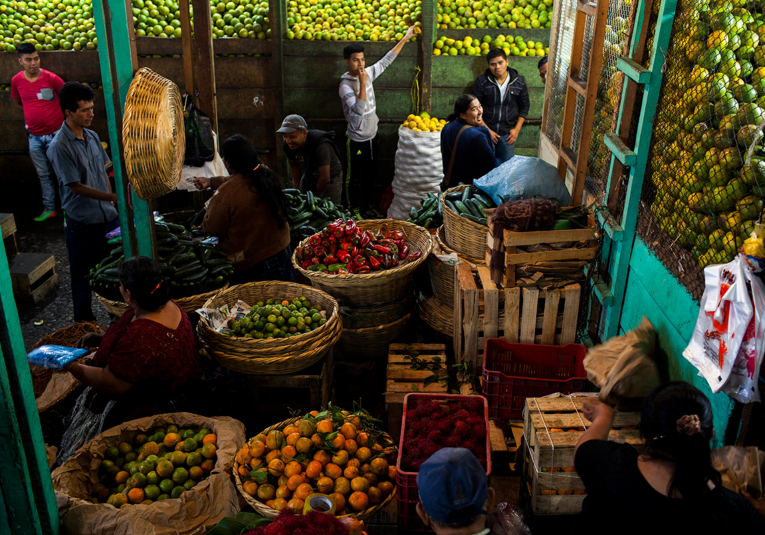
column 362, row 262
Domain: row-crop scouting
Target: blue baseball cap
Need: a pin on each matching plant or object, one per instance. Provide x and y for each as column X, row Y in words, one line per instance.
column 452, row 486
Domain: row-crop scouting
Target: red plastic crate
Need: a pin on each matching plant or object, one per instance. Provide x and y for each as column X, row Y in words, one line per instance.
column 514, row 372
column 407, row 494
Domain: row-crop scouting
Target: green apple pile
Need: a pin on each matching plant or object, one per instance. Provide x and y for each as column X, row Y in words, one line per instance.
column 348, row 20
column 464, row 14
column 707, row 196
column 55, row 25
column 470, row 46
column 245, row 19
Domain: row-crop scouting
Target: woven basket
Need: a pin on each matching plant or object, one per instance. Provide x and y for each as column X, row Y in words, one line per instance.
column 438, row 315
column 153, row 135
column 189, row 304
column 380, row 286
column 53, row 411
column 371, row 343
column 374, row 314
column 463, row 235
column 274, row 356
column 263, row 510
column 441, row 274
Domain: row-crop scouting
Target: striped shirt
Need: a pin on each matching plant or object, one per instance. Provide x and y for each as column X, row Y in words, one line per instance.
column 362, row 115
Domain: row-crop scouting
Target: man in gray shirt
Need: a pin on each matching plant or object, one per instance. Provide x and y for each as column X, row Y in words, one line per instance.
column 79, row 160
column 360, row 111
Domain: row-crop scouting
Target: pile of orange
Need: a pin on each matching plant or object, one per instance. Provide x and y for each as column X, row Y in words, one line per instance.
column 335, row 453
column 157, row 466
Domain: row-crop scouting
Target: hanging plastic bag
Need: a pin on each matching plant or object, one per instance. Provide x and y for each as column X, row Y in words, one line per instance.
column 55, row 357
column 721, row 327
column 200, row 145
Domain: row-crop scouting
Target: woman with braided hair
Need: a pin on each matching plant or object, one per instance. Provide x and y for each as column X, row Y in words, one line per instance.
column 672, row 486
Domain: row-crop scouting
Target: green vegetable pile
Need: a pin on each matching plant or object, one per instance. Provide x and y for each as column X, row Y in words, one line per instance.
column 275, row 319
column 191, row 266
column 429, row 215
column 308, row 214
column 470, row 203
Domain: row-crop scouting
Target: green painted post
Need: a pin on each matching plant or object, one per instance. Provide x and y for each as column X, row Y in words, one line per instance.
column 118, row 64
column 623, row 250
column 29, row 505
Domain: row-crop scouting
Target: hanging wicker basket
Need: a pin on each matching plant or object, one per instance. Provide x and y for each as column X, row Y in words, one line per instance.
column 153, row 135
column 464, row 236
column 264, row 510
column 189, row 304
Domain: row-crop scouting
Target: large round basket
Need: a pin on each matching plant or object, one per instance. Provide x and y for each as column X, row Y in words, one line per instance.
column 463, row 235
column 371, row 343
column 153, row 134
column 437, row 315
column 189, row 304
column 442, row 273
column 263, row 510
column 54, row 404
column 380, row 286
column 270, row 356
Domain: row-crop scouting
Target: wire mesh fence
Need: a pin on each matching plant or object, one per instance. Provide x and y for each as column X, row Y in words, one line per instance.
column 705, row 178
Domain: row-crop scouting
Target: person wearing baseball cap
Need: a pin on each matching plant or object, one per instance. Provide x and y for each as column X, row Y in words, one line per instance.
column 455, row 498
column 314, row 159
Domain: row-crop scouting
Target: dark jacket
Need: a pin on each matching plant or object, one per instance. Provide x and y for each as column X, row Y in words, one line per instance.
column 502, row 116
column 308, row 154
column 474, row 157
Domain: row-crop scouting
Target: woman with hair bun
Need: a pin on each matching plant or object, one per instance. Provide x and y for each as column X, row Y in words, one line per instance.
column 672, row 486
column 148, row 362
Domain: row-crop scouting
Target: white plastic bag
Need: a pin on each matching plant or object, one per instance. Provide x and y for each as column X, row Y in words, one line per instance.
column 419, row 170
column 208, row 170
column 727, row 312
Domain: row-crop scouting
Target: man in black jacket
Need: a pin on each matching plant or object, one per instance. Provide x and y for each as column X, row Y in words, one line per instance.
column 505, row 100
column 314, row 159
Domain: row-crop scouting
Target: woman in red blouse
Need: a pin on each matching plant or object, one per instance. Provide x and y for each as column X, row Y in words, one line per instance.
column 149, row 358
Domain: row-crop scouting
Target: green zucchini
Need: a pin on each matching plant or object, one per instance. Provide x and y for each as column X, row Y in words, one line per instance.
column 427, row 203
column 118, row 251
column 426, row 215
column 311, row 201
column 161, row 227
column 461, row 208
column 479, row 202
column 413, row 212
column 217, row 252
column 450, row 205
column 454, row 196
column 484, row 199
column 182, row 259
column 175, row 228
column 474, row 208
column 217, row 270
column 108, row 278
column 217, row 262
column 168, row 271
column 291, row 191
column 195, row 277
column 466, row 194
column 191, row 267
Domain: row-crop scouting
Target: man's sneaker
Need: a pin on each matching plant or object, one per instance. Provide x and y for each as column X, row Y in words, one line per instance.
column 47, row 214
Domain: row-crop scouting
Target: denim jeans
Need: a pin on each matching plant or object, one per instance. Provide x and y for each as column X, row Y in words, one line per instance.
column 38, row 145
column 503, row 151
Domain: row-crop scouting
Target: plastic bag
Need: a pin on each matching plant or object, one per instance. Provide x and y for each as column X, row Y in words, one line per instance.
column 55, row 357
column 210, row 169
column 730, row 318
column 508, row 520
column 419, row 170
column 524, row 177
column 200, row 145
column 741, row 468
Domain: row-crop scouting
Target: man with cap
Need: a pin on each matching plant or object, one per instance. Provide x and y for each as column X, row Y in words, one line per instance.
column 455, row 498
column 314, row 159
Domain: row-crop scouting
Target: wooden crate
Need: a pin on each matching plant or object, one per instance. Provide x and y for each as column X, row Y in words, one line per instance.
column 483, row 309
column 401, row 379
column 33, row 276
column 559, row 490
column 511, row 241
column 8, row 226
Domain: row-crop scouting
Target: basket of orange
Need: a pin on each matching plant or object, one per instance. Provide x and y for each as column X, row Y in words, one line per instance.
column 341, row 455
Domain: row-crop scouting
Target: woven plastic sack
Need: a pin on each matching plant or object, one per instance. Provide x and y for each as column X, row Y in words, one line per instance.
column 419, row 170
column 524, row 177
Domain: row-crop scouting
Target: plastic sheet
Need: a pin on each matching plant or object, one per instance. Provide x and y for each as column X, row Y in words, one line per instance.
column 55, row 357
column 524, row 177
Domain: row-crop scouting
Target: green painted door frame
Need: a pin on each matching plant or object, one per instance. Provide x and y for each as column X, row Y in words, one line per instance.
column 117, row 69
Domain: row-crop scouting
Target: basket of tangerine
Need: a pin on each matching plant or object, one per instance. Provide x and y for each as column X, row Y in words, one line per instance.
column 342, row 455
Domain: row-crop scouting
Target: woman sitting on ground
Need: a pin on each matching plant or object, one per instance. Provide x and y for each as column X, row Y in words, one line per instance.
column 148, row 361
column 248, row 215
column 672, row 487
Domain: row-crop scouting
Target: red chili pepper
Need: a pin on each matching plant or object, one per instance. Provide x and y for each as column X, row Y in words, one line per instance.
column 365, row 239
column 315, row 240
column 338, row 233
column 308, row 251
column 342, row 271
column 348, row 247
column 360, row 260
column 350, row 227
column 331, row 259
column 386, row 261
column 351, row 268
column 396, row 234
column 403, row 252
column 305, row 264
column 343, row 256
column 369, row 253
column 315, row 260
column 362, row 270
column 325, row 243
column 414, row 256
column 374, row 263
column 332, row 226
column 381, row 249
column 332, row 248
column 320, row 250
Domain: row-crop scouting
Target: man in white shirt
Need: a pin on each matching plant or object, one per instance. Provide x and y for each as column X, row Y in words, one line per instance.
column 360, row 111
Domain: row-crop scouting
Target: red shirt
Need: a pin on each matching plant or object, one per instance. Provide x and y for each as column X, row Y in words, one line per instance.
column 42, row 110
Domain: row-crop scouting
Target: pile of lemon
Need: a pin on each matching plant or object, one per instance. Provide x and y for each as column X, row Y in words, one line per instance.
column 424, row 123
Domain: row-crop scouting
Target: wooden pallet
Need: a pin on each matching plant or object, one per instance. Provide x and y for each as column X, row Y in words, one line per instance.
column 483, row 309
column 558, row 490
column 8, row 226
column 583, row 248
column 33, row 276
column 401, row 379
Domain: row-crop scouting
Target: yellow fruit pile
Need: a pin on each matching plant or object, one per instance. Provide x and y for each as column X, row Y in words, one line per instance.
column 334, row 452
column 424, row 123
column 155, row 467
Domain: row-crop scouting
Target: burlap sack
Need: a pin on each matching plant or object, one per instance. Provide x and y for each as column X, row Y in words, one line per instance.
column 196, row 511
column 623, row 367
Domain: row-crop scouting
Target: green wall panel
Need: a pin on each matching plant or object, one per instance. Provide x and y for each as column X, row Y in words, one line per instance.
column 323, row 71
column 443, row 100
column 654, row 293
column 461, row 71
column 325, row 103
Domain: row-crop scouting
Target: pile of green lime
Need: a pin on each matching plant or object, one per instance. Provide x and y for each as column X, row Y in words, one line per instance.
column 279, row 318
column 469, row 14
column 470, row 46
